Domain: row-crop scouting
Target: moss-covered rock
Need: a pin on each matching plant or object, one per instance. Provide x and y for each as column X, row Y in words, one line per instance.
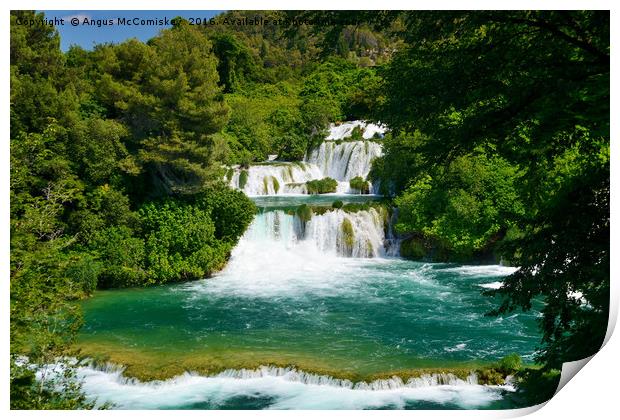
column 276, row 184
column 413, row 249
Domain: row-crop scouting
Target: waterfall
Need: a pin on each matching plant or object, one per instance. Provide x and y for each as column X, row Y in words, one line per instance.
column 289, row 374
column 358, row 234
column 395, row 382
column 275, row 178
column 344, row 161
column 392, row 240
column 286, row 388
column 337, row 157
column 344, row 130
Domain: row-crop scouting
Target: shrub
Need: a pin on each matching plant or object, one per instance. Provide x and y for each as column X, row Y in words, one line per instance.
column 175, row 233
column 243, row 179
column 337, row 204
column 123, row 254
column 360, row 184
column 357, row 133
column 304, row 213
column 322, row 186
column 231, row 211
column 510, row 364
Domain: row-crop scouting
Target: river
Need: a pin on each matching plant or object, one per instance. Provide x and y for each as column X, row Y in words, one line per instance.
column 315, row 312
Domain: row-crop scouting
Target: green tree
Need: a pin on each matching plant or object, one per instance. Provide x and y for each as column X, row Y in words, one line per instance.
column 533, row 87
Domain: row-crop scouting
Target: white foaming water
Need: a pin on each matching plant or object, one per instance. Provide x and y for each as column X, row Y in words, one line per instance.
column 344, row 130
column 345, row 161
column 284, row 388
column 360, row 234
column 281, row 255
column 278, row 178
column 492, row 285
column 483, row 270
column 341, row 162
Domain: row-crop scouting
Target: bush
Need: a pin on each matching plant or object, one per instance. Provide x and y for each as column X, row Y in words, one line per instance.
column 176, row 239
column 337, row 204
column 84, row 269
column 231, row 211
column 175, row 233
column 123, row 254
column 357, row 133
column 360, row 184
column 243, row 179
column 510, row 364
column 322, row 186
column 304, row 213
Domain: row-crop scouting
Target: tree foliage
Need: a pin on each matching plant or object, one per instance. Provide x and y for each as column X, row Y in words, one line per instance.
column 532, row 89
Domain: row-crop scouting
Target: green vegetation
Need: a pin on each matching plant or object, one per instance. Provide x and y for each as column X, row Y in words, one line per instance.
column 243, row 178
column 360, row 184
column 346, row 237
column 464, row 208
column 304, row 212
column 337, row 204
column 357, row 134
column 322, row 186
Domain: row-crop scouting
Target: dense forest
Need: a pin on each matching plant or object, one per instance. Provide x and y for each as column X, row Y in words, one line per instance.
column 498, row 145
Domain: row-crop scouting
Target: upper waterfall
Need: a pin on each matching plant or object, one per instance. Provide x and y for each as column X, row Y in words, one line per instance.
column 344, row 161
column 346, row 153
column 345, row 130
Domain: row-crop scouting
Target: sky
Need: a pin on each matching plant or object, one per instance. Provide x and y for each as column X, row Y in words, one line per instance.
column 88, row 36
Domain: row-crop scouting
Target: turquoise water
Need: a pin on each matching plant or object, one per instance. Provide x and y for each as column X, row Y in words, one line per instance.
column 292, row 301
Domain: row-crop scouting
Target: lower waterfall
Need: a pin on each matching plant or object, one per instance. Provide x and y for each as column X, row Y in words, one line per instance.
column 358, row 234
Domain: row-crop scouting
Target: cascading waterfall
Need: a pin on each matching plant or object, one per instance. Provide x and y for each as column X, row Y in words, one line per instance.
column 337, row 157
column 395, row 382
column 291, row 374
column 344, row 161
column 336, row 232
column 275, row 178
column 359, row 234
column 285, row 388
column 392, row 240
column 344, row 130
